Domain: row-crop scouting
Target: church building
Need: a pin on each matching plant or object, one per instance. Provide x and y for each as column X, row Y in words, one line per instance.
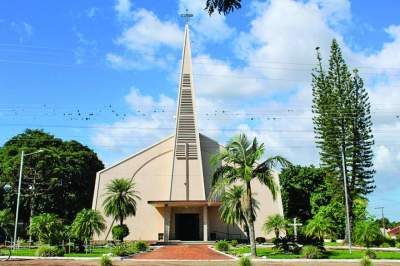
column 173, row 178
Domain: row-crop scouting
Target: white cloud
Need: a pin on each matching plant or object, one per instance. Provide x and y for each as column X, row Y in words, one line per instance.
column 123, row 8
column 91, row 12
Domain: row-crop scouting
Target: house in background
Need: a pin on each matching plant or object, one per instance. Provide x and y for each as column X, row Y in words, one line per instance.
column 173, row 179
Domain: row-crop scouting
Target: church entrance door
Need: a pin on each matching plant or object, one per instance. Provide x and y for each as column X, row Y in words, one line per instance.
column 187, row 226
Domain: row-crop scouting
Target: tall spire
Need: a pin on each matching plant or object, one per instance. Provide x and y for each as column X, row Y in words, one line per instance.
column 187, row 169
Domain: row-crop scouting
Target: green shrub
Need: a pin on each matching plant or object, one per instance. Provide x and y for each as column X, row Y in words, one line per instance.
column 286, row 244
column 50, row 251
column 398, row 245
column 245, row 261
column 119, row 232
column 222, row 245
column 384, row 245
column 311, row 252
column 105, row 261
column 121, row 250
column 366, row 261
column 234, row 243
column 140, row 246
column 370, row 254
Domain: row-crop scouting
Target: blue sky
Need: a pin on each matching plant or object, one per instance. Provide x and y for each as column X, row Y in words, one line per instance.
column 105, row 73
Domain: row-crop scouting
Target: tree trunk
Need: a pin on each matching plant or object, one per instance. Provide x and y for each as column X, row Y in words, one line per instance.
column 251, row 221
column 276, row 233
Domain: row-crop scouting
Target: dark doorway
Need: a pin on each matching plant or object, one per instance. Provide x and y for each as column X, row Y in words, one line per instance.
column 187, row 226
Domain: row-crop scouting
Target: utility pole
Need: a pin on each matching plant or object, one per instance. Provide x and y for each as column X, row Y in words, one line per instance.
column 383, row 219
column 348, row 228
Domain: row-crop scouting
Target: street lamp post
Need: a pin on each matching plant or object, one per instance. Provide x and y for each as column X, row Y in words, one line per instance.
column 19, row 193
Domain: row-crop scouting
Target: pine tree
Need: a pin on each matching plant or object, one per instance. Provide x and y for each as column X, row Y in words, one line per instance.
column 342, row 126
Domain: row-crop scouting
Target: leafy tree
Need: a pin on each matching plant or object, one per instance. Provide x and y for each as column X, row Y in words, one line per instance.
column 222, row 6
column 240, row 164
column 58, row 180
column 7, row 221
column 232, row 210
column 366, row 232
column 120, row 201
column 48, row 227
column 298, row 185
column 87, row 223
column 342, row 125
column 320, row 227
column 275, row 223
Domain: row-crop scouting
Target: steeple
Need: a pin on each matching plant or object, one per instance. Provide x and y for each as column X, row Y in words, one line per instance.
column 187, row 168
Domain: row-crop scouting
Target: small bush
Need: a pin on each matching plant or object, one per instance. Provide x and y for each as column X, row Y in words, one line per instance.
column 398, row 245
column 234, row 243
column 245, row 261
column 119, row 232
column 50, row 251
column 121, row 251
column 384, row 245
column 311, row 252
column 286, row 244
column 370, row 254
column 105, row 261
column 366, row 261
column 222, row 245
column 260, row 240
column 140, row 246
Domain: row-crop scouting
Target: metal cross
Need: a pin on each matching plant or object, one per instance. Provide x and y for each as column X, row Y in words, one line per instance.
column 295, row 224
column 187, row 16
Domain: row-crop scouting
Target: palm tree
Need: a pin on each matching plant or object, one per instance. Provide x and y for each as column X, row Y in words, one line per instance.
column 275, row 223
column 120, row 201
column 366, row 232
column 47, row 227
column 6, row 222
column 86, row 223
column 320, row 227
column 232, row 208
column 239, row 161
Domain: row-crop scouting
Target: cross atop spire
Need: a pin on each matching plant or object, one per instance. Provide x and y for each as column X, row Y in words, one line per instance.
column 187, row 16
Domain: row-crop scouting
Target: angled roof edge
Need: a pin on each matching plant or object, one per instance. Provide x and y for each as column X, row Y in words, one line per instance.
column 136, row 154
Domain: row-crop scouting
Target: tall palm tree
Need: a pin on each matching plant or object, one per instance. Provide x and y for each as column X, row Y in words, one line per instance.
column 120, row 201
column 232, row 209
column 275, row 223
column 86, row 223
column 240, row 163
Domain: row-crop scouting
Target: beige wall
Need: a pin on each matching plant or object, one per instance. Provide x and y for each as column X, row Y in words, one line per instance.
column 153, row 167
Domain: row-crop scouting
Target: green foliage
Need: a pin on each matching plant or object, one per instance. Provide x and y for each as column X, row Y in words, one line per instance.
column 119, row 232
column 275, row 223
column 140, row 246
column 121, row 250
column 64, row 175
column 47, row 227
column 245, row 261
column 86, row 223
column 319, row 227
column 384, row 245
column 120, row 201
column 50, row 251
column 6, row 222
column 286, row 244
column 234, row 243
column 397, row 245
column 366, row 233
column 342, row 125
column 242, row 164
column 222, row 6
column 298, row 185
column 370, row 254
column 366, row 261
column 222, row 245
column 105, row 260
column 311, row 252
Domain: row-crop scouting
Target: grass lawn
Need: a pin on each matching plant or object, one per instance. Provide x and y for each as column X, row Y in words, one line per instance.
column 96, row 252
column 331, row 254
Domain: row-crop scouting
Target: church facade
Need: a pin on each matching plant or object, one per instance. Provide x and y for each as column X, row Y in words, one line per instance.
column 173, row 178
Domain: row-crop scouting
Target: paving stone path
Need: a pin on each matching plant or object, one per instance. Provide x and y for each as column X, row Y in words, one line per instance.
column 183, row 252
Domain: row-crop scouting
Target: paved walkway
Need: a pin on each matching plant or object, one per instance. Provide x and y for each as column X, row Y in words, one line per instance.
column 182, row 252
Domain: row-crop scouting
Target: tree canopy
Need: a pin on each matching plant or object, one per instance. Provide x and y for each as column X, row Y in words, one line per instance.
column 59, row 180
column 222, row 6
